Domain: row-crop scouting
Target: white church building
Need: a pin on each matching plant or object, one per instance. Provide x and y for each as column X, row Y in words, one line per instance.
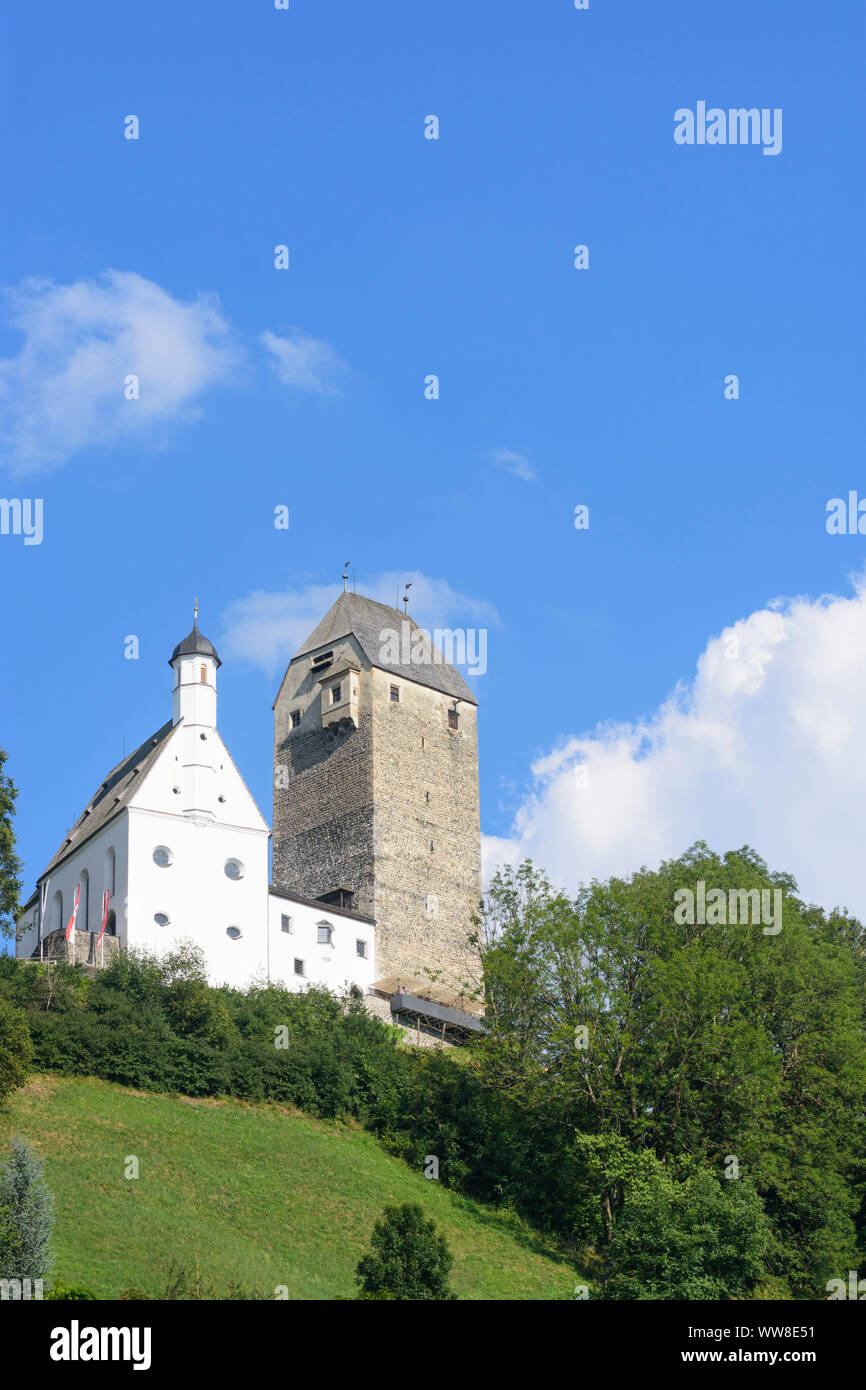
column 172, row 848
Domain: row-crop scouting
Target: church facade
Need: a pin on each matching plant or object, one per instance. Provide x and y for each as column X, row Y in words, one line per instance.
column 376, row 843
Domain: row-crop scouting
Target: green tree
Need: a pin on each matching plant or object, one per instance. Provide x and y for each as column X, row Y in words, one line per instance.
column 666, row 1238
column 408, row 1260
column 16, row 1049
column 10, row 864
column 26, row 1216
column 607, row 1015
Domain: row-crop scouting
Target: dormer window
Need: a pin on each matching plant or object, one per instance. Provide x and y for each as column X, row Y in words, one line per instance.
column 339, row 700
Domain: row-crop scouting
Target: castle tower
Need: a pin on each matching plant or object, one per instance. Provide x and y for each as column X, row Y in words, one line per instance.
column 376, row 787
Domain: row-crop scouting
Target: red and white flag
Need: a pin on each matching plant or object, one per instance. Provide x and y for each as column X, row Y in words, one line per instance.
column 105, row 900
column 70, row 925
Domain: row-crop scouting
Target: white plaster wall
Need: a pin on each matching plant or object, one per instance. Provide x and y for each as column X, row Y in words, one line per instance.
column 195, row 700
column 196, row 895
column 91, row 856
column 337, row 966
column 203, row 771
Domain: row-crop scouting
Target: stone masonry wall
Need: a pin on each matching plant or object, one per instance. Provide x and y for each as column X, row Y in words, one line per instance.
column 323, row 818
column 81, row 950
column 427, row 833
column 388, row 809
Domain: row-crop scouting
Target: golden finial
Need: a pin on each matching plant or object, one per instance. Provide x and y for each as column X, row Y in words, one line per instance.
column 195, row 614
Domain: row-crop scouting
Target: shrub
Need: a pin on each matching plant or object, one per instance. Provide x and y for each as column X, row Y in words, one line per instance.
column 16, row 1049
column 408, row 1260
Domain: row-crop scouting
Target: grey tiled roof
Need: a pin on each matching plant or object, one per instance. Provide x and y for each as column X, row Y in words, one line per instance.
column 113, row 794
column 326, row 909
column 366, row 620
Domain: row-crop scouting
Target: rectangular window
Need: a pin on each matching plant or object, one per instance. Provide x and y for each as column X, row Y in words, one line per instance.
column 299, row 966
column 203, row 675
column 286, row 922
column 296, row 718
column 324, row 934
column 361, row 948
column 336, row 691
column 452, row 719
column 395, row 694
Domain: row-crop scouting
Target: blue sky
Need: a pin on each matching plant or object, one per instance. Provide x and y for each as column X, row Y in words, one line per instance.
column 408, row 257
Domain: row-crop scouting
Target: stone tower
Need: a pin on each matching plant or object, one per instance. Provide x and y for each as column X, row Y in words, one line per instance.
column 376, row 787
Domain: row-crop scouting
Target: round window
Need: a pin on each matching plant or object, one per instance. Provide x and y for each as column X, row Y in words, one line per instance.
column 233, row 932
column 162, row 919
column 234, row 869
column 162, row 856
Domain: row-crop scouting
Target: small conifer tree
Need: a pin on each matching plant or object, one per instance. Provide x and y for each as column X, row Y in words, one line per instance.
column 407, row 1260
column 26, row 1216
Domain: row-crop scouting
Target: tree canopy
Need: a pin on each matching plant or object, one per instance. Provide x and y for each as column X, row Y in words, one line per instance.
column 729, row 1047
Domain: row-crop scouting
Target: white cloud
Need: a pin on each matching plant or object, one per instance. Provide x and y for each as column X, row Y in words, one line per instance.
column 513, row 462
column 764, row 748
column 304, row 362
column 65, row 389
column 266, row 628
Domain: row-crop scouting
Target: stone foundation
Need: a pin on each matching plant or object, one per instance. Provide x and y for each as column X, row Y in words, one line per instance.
column 81, row 950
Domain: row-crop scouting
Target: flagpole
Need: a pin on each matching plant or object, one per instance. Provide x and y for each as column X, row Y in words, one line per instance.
column 106, row 899
column 70, row 926
column 42, row 904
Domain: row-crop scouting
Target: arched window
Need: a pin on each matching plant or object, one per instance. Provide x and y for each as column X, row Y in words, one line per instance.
column 83, row 920
column 110, row 868
column 203, row 674
column 57, row 922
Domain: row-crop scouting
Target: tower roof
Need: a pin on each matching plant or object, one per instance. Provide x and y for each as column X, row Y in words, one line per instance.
column 194, row 644
column 366, row 620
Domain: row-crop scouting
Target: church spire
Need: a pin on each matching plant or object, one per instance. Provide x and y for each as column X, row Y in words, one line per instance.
column 195, row 663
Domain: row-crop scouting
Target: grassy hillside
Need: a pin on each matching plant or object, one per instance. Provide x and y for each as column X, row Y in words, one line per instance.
column 255, row 1192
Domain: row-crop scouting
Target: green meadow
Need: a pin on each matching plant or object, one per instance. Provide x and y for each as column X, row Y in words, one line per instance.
column 254, row 1193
